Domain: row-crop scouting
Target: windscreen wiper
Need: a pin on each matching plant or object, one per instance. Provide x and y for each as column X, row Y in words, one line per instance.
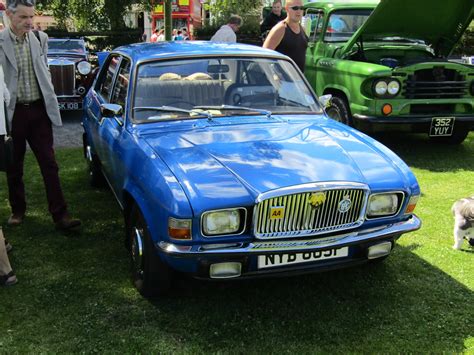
column 236, row 108
column 191, row 113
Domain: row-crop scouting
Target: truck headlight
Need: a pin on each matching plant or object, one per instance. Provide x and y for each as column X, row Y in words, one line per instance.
column 393, row 87
column 381, row 88
column 384, row 204
column 386, row 87
column 224, row 222
column 84, row 67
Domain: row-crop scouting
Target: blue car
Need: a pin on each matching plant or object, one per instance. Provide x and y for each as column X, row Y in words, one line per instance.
column 226, row 166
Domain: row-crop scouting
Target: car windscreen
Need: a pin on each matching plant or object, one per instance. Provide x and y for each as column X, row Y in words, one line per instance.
column 224, row 86
column 344, row 23
column 66, row 45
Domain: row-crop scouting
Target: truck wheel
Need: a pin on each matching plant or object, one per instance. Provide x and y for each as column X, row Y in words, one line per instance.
column 339, row 110
column 458, row 136
column 150, row 275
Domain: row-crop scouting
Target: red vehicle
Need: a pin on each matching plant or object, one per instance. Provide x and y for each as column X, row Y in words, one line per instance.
column 185, row 13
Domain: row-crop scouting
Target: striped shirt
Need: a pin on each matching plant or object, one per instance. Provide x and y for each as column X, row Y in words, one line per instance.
column 28, row 88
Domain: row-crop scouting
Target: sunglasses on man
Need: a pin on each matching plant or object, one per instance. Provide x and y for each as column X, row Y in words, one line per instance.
column 296, row 8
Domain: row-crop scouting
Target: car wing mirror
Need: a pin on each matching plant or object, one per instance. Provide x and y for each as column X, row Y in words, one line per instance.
column 111, row 110
column 325, row 100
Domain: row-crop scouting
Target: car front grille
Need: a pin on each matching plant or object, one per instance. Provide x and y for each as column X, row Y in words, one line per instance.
column 309, row 213
column 63, row 76
column 435, row 83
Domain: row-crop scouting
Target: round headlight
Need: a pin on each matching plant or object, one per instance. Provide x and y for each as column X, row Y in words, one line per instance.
column 381, row 88
column 84, row 67
column 393, row 87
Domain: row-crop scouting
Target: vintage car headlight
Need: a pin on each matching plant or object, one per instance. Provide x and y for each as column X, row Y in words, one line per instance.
column 393, row 87
column 84, row 67
column 384, row 204
column 223, row 222
column 381, row 88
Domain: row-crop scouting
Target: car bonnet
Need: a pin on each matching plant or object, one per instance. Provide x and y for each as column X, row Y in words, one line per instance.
column 439, row 23
column 216, row 164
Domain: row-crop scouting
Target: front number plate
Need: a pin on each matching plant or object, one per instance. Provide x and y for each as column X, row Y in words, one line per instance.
column 70, row 106
column 441, row 126
column 272, row 260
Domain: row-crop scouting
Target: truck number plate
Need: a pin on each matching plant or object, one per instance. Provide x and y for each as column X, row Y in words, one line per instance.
column 441, row 126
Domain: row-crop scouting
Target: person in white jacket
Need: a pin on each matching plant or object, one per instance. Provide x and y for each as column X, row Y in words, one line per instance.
column 7, row 276
column 227, row 32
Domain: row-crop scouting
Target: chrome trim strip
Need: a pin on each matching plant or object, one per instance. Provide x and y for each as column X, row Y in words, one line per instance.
column 413, row 224
column 295, row 189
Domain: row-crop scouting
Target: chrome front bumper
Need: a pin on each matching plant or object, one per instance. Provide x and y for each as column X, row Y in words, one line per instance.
column 275, row 246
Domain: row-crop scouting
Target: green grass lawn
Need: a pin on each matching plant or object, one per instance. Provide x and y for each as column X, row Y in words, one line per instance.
column 74, row 293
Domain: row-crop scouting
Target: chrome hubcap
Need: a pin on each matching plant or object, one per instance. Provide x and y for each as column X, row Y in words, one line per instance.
column 137, row 250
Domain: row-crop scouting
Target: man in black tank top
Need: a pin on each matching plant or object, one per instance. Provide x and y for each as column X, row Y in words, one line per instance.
column 288, row 37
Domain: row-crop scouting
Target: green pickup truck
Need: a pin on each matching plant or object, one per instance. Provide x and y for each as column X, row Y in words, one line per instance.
column 386, row 65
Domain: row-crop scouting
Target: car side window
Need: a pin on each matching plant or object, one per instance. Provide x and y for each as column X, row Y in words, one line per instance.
column 120, row 90
column 105, row 84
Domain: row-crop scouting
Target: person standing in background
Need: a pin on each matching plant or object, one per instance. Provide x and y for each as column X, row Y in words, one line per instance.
column 227, row 32
column 32, row 110
column 288, row 36
column 275, row 16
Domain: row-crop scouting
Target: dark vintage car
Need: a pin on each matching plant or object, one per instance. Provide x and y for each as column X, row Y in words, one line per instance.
column 71, row 72
column 226, row 166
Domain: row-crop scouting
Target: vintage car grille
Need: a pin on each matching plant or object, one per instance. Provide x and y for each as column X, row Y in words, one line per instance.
column 301, row 217
column 435, row 83
column 63, row 75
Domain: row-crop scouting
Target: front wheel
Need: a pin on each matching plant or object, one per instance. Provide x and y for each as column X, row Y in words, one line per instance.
column 150, row 275
column 338, row 110
column 96, row 177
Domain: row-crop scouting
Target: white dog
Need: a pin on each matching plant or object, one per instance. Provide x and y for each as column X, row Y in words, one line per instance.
column 463, row 211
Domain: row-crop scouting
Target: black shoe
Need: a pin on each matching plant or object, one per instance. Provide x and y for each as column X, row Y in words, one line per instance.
column 67, row 223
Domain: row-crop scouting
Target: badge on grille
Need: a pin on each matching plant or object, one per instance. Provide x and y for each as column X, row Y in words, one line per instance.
column 344, row 205
column 317, row 199
column 277, row 212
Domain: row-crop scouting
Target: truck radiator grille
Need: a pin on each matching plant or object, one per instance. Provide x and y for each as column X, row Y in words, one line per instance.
column 303, row 214
column 435, row 83
column 63, row 78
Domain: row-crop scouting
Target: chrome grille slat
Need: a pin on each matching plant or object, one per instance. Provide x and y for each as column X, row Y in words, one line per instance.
column 301, row 218
column 63, row 78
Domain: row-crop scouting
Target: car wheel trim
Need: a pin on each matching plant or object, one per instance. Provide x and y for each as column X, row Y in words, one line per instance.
column 137, row 251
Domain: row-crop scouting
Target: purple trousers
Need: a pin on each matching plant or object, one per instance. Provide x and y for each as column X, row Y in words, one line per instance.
column 31, row 124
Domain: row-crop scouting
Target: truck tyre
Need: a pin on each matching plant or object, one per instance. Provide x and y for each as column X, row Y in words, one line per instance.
column 339, row 110
column 458, row 136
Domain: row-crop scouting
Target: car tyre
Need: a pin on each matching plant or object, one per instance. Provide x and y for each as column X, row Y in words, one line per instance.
column 150, row 275
column 458, row 136
column 339, row 111
column 96, row 177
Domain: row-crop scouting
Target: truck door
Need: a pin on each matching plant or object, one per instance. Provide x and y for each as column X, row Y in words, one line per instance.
column 313, row 24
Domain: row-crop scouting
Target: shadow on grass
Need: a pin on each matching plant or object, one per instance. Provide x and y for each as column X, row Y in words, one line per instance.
column 75, row 295
column 419, row 152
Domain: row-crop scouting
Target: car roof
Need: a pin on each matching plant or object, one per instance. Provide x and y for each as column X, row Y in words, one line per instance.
column 165, row 50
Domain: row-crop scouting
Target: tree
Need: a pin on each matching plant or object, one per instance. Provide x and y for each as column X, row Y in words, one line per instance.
column 222, row 9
